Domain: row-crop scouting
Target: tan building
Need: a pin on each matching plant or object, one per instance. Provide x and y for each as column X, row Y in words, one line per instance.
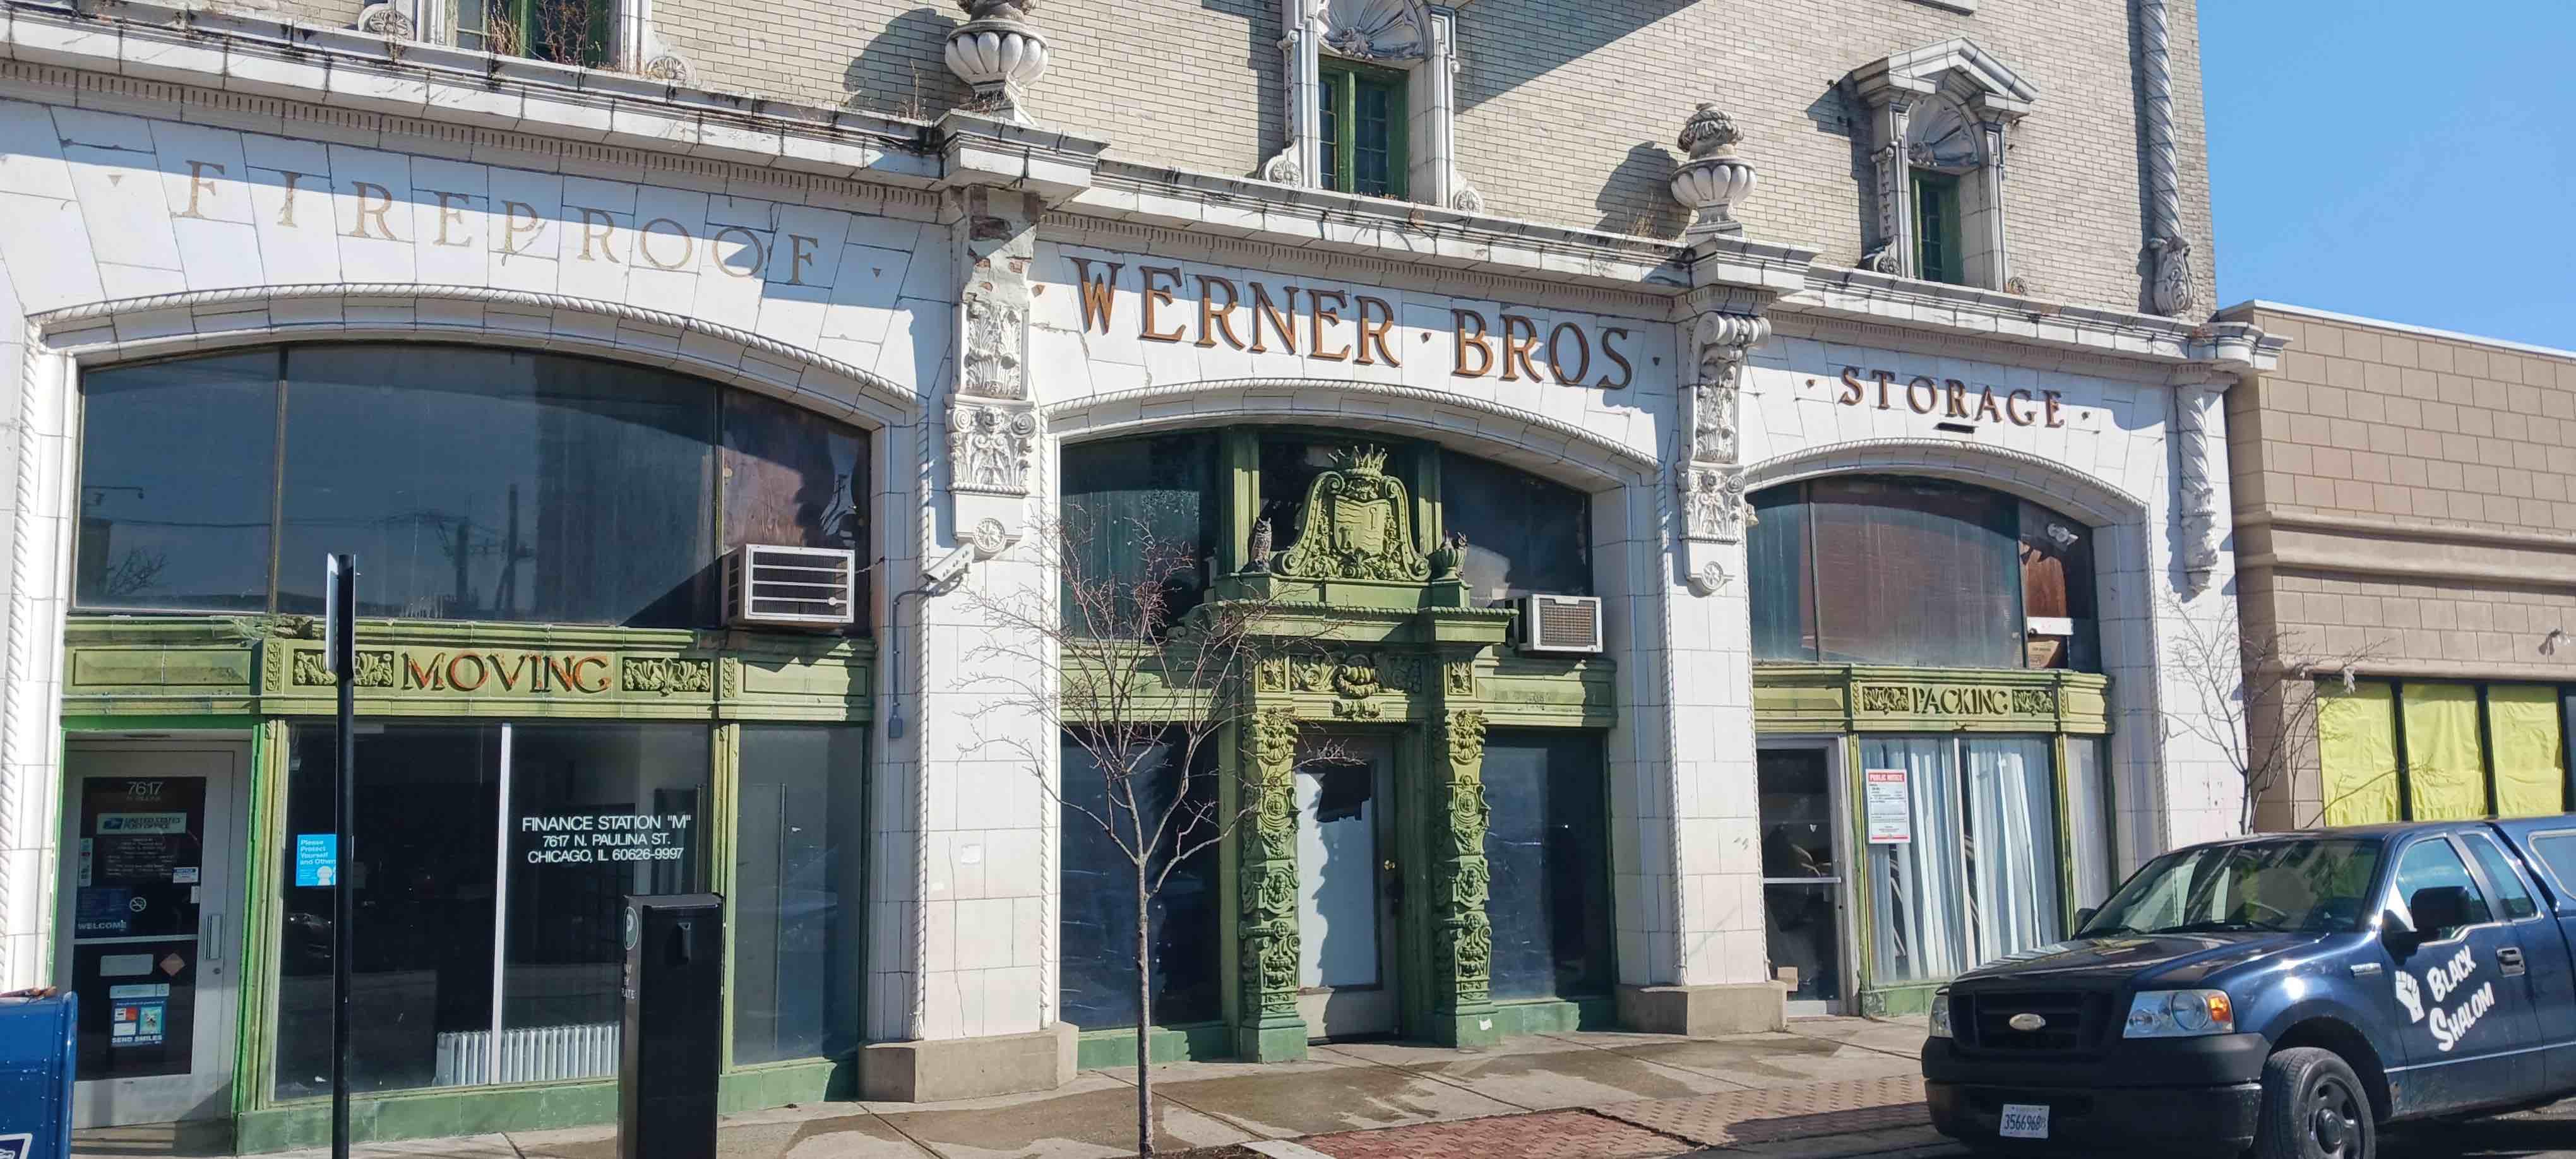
column 2405, row 527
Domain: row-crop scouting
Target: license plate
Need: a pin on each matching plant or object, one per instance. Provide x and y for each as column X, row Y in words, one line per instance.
column 2025, row 1121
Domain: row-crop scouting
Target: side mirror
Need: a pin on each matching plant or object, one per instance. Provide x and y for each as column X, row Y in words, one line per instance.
column 2439, row 909
column 2084, row 917
column 2398, row 934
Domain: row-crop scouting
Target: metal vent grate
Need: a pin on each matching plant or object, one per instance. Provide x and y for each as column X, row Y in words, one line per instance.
column 790, row 586
column 1562, row 624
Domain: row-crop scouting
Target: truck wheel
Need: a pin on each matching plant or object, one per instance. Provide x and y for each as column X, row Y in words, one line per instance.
column 2314, row 1107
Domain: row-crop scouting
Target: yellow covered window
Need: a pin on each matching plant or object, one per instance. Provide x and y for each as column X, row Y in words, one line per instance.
column 2446, row 769
column 2439, row 751
column 2357, row 752
column 2530, row 756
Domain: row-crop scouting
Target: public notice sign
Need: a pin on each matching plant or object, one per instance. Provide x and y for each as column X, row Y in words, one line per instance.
column 1889, row 802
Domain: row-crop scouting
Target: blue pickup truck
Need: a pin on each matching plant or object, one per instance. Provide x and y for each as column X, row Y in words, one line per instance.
column 2288, row 993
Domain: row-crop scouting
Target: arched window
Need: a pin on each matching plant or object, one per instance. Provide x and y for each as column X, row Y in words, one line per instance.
column 1197, row 495
column 1873, row 569
column 472, row 484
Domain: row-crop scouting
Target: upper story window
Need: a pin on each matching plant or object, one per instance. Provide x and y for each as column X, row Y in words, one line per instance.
column 562, row 31
column 1885, row 570
column 1936, row 228
column 472, row 484
column 608, row 34
column 1370, row 101
column 1362, row 129
column 1138, row 507
column 1937, row 129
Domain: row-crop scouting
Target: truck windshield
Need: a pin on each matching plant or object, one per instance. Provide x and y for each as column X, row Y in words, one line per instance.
column 2308, row 884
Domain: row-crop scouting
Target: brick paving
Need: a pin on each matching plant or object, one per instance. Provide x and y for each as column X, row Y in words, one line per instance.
column 1827, row 1108
column 1546, row 1135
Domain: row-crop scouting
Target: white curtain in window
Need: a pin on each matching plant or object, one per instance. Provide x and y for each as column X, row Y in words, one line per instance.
column 1918, row 889
column 2012, row 845
column 2088, row 820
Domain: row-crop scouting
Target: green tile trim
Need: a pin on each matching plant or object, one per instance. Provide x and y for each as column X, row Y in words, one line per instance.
column 1555, row 1016
column 1116, row 1049
column 429, row 1115
column 1895, row 1001
column 483, row 1110
column 779, row 1084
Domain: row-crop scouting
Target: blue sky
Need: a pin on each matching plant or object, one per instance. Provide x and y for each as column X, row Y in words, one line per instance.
column 2401, row 160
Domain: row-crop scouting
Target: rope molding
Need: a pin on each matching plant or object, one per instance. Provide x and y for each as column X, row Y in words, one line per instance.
column 1640, row 463
column 2094, row 498
column 66, row 318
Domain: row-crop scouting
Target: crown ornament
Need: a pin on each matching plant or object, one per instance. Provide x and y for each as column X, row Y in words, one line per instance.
column 1361, row 460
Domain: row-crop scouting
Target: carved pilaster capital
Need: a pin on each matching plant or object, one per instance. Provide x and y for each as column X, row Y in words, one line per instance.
column 2173, row 291
column 1713, row 508
column 991, row 447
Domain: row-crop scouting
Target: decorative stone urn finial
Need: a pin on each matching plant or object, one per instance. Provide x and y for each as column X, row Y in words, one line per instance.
column 1714, row 178
column 1001, row 53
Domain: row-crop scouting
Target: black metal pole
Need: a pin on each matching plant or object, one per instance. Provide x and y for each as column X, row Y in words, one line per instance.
column 343, row 655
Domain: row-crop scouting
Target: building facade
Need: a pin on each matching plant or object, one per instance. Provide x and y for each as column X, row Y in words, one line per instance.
column 1879, row 416
column 2403, row 519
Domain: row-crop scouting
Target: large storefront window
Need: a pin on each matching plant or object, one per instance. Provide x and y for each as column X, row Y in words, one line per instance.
column 2434, row 750
column 1549, row 900
column 1885, row 570
column 473, row 484
column 1098, row 929
column 1524, row 534
column 1134, row 508
column 1977, row 876
column 484, row 855
column 1176, row 496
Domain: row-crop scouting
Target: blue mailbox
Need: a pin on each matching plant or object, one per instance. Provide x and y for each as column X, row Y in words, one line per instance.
column 36, row 1046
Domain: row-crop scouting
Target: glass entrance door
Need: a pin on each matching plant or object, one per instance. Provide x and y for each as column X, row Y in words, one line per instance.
column 1802, row 875
column 150, row 929
column 1346, row 877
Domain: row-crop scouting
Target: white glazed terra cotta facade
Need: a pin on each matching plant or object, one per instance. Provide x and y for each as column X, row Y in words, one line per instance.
column 185, row 186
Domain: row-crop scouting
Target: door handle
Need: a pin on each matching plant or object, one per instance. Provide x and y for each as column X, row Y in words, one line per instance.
column 2510, row 960
column 210, row 947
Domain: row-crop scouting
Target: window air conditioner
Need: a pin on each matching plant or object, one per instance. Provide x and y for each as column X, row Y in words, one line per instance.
column 790, row 587
column 1561, row 624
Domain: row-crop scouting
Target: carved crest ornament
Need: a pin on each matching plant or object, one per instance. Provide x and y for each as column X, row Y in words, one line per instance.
column 1358, row 525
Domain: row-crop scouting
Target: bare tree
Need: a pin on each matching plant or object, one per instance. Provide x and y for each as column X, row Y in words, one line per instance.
column 2252, row 694
column 1146, row 668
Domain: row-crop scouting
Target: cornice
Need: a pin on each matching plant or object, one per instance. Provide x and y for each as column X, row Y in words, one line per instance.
column 149, row 52
column 2213, row 352
column 1323, row 220
column 2246, row 311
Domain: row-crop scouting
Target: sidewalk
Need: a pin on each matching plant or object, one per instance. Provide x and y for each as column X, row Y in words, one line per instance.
column 1828, row 1087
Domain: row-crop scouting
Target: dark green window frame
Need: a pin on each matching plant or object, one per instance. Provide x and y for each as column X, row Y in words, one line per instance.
column 1939, row 256
column 574, row 32
column 1362, row 122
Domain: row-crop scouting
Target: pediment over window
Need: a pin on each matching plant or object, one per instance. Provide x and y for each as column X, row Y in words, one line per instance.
column 1980, row 81
column 1375, row 30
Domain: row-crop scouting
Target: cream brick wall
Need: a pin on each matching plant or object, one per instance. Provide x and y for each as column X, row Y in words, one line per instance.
column 2404, row 498
column 1567, row 112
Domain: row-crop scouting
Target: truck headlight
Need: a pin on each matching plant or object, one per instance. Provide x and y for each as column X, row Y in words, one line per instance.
column 1941, row 1013
column 2180, row 1014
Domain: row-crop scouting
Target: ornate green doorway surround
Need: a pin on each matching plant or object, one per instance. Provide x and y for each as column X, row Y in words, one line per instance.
column 1402, row 653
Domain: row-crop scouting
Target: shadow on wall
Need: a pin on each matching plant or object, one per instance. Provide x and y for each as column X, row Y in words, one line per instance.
column 904, row 68
column 1648, row 166
column 1506, row 45
column 1262, row 33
